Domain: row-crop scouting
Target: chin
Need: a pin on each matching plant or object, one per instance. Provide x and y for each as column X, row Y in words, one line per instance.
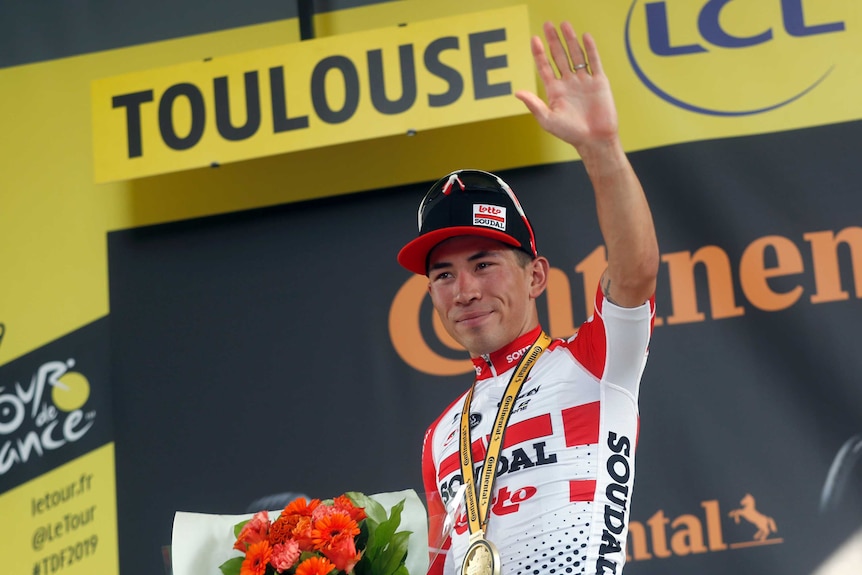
column 481, row 339
column 478, row 347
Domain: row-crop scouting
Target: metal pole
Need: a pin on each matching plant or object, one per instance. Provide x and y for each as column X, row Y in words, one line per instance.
column 305, row 9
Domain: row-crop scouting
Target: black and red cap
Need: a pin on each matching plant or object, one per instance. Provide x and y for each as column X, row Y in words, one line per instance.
column 468, row 203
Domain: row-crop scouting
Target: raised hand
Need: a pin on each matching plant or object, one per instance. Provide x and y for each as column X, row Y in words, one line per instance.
column 580, row 107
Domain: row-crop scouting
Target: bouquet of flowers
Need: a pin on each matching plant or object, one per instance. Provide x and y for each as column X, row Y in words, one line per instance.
column 348, row 535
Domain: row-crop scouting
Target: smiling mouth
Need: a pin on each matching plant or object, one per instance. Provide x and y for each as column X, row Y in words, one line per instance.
column 473, row 317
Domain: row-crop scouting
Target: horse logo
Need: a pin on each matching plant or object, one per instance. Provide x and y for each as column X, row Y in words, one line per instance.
column 765, row 524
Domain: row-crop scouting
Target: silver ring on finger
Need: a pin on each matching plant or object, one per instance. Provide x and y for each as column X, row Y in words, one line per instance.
column 577, row 67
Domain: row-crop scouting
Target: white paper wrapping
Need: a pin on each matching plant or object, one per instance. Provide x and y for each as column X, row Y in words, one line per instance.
column 200, row 542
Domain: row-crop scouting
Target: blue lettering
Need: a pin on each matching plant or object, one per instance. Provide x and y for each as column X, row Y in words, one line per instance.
column 659, row 36
column 710, row 29
column 794, row 21
column 709, row 24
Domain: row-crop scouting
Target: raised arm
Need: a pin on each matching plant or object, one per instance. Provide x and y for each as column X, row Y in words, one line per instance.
column 580, row 110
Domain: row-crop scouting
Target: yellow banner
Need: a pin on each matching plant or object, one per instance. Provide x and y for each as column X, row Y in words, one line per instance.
column 708, row 69
column 63, row 521
column 312, row 94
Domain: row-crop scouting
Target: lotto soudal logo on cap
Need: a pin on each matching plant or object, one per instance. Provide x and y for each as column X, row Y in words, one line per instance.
column 489, row 216
column 465, row 203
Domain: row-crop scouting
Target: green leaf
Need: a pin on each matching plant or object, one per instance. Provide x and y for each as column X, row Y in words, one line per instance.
column 373, row 509
column 395, row 553
column 306, row 554
column 362, row 538
column 371, row 544
column 231, row 566
column 386, row 548
column 380, row 537
column 238, row 527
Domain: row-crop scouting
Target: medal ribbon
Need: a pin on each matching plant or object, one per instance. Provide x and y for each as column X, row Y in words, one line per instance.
column 478, row 498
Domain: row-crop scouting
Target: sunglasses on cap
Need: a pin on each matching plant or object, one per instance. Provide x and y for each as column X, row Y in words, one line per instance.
column 474, row 181
column 467, row 202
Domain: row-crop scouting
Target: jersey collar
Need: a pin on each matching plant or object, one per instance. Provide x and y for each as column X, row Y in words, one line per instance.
column 506, row 357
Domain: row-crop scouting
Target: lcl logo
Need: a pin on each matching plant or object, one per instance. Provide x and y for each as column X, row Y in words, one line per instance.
column 720, row 27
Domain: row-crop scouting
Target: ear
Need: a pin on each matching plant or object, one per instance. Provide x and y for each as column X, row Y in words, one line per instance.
column 539, row 269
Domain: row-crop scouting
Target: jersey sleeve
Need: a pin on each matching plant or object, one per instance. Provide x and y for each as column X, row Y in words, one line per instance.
column 614, row 342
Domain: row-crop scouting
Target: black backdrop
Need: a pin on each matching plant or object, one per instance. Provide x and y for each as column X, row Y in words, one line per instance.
column 250, row 353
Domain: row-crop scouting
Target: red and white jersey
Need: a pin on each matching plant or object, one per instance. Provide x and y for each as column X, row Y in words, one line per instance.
column 564, row 478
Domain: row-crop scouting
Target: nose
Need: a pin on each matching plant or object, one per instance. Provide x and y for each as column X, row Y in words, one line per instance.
column 467, row 288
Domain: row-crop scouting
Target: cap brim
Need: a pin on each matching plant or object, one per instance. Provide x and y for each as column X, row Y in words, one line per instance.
column 414, row 256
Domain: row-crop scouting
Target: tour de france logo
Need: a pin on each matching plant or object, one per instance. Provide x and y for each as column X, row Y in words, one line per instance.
column 44, row 414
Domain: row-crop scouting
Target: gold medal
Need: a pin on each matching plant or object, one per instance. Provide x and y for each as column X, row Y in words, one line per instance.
column 482, row 557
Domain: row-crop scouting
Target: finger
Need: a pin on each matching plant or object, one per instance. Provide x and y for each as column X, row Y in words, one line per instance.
column 555, row 46
column 540, row 57
column 571, row 38
column 534, row 104
column 593, row 54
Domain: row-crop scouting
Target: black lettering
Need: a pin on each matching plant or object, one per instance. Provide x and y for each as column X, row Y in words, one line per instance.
column 623, row 445
column 482, row 64
column 617, row 494
column 377, row 80
column 501, row 467
column 252, row 108
column 477, row 472
column 494, row 462
column 520, row 460
column 450, row 75
column 448, row 491
column 613, row 515
column 166, row 120
column 445, row 494
column 541, row 459
column 280, row 121
column 132, row 102
column 610, row 544
column 351, row 89
column 612, row 468
column 603, row 563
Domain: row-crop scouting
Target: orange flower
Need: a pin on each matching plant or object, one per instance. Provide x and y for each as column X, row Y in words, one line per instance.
column 332, row 525
column 341, row 550
column 253, row 532
column 256, row 558
column 303, row 534
column 315, row 566
column 344, row 503
column 282, row 529
column 301, row 507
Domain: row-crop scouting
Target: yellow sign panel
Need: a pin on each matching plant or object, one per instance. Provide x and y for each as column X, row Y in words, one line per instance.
column 64, row 520
column 711, row 69
column 747, row 59
column 311, row 94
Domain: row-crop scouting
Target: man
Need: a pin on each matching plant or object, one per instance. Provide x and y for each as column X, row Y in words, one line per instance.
column 543, row 443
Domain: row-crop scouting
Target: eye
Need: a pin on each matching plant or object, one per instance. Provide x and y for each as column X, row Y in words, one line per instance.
column 483, row 265
column 441, row 276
